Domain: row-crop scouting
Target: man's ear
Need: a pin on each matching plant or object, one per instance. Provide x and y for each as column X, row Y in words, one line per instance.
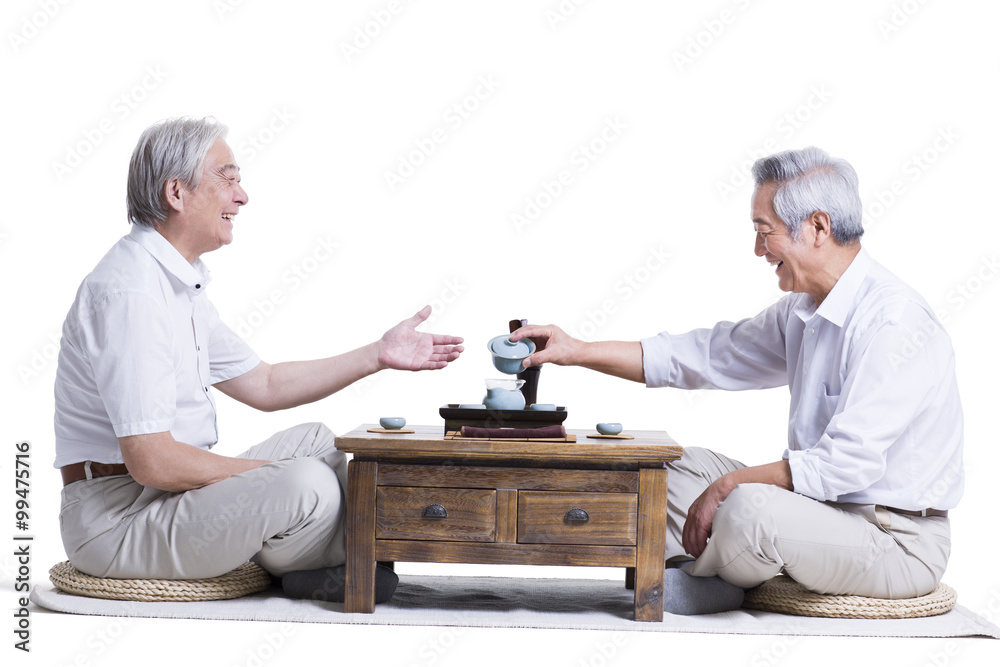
column 820, row 224
column 173, row 194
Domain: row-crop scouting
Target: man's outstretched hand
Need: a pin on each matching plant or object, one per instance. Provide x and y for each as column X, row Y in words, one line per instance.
column 406, row 349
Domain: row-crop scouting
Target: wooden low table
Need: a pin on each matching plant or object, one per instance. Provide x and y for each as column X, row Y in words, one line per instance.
column 422, row 498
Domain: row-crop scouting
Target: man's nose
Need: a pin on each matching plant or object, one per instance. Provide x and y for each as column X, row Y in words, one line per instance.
column 758, row 246
column 240, row 196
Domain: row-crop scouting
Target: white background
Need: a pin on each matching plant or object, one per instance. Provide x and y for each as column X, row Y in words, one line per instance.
column 687, row 95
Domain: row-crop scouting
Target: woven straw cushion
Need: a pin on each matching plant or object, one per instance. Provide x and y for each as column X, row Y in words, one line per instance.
column 784, row 595
column 244, row 580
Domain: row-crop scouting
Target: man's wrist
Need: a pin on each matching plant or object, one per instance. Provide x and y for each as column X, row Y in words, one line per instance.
column 726, row 485
column 376, row 363
column 582, row 353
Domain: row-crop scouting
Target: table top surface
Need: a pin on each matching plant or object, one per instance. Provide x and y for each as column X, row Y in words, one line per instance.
column 428, row 442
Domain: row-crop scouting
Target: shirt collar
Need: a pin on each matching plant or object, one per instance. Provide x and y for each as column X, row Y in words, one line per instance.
column 193, row 276
column 838, row 303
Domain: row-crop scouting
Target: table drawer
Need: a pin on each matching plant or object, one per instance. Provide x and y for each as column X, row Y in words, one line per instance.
column 550, row 517
column 423, row 513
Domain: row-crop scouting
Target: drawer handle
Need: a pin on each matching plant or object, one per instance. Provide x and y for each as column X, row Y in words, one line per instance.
column 577, row 514
column 436, row 511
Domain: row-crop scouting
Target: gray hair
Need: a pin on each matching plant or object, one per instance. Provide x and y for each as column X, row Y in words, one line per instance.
column 809, row 180
column 172, row 148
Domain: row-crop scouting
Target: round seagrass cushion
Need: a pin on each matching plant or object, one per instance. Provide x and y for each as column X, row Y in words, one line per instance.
column 244, row 580
column 785, row 595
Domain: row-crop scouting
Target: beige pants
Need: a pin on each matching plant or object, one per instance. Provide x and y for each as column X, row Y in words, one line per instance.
column 761, row 530
column 289, row 512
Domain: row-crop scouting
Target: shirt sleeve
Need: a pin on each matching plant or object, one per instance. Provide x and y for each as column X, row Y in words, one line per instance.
column 229, row 355
column 749, row 354
column 889, row 382
column 129, row 344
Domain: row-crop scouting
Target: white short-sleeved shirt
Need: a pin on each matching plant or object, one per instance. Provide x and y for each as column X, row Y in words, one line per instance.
column 141, row 348
column 875, row 416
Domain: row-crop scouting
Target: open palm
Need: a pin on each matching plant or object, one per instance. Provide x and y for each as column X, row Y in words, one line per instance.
column 404, row 348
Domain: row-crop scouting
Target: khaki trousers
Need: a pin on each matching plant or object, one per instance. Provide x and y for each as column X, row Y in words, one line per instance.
column 290, row 513
column 761, row 530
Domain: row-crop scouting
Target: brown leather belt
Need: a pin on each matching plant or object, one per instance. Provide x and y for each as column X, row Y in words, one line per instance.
column 926, row 512
column 74, row 472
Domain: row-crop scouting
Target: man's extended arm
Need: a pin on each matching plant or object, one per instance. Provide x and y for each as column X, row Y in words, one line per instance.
column 160, row 461
column 288, row 384
column 619, row 358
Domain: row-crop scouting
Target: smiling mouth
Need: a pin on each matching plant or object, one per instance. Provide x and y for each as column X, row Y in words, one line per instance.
column 776, row 263
column 228, row 216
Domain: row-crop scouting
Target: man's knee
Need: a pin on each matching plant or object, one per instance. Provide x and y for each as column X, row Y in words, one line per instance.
column 690, row 461
column 746, row 510
column 320, row 438
column 309, row 479
column 320, row 430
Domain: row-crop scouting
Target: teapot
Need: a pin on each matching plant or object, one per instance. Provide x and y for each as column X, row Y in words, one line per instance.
column 508, row 355
column 504, row 395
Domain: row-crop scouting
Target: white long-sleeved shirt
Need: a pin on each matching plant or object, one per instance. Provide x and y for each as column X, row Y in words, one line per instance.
column 141, row 347
column 875, row 416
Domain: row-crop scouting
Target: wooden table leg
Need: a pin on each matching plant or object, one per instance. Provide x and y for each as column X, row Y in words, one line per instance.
column 652, row 544
column 360, row 590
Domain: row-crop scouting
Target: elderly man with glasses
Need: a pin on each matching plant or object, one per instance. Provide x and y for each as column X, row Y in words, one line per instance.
column 142, row 351
column 858, row 502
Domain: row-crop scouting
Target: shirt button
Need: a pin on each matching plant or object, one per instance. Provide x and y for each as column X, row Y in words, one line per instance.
column 812, row 331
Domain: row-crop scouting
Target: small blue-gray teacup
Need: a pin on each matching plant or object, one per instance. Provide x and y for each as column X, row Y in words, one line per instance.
column 392, row 423
column 542, row 406
column 609, row 428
